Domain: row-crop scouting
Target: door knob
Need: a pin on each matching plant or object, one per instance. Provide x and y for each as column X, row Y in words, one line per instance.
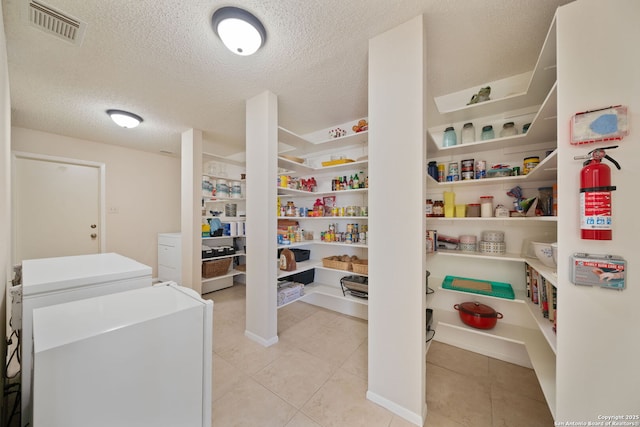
column 94, row 235
column 93, row 226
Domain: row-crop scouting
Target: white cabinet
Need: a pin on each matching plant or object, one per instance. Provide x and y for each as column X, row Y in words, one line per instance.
column 524, row 336
column 326, row 290
column 170, row 257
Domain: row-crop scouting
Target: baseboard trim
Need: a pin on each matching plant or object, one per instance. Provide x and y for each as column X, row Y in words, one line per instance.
column 412, row 417
column 264, row 342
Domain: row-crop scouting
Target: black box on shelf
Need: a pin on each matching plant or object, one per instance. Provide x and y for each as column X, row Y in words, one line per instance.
column 217, row 251
column 299, row 254
column 229, row 250
column 305, row 277
column 206, row 252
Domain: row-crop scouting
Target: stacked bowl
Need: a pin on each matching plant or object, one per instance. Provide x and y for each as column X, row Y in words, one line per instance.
column 493, row 242
column 467, row 243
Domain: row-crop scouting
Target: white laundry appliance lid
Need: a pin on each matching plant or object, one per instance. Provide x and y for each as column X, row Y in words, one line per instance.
column 60, row 273
column 61, row 324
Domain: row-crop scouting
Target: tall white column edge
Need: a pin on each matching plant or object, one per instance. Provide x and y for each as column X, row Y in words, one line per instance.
column 190, row 218
column 262, row 168
column 397, row 92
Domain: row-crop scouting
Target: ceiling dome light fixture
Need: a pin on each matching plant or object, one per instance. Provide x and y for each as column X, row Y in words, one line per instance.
column 240, row 31
column 125, row 119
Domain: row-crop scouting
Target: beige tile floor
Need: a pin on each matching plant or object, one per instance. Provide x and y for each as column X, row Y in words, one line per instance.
column 316, row 376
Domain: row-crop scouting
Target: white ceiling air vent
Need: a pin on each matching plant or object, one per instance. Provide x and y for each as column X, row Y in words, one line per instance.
column 54, row 22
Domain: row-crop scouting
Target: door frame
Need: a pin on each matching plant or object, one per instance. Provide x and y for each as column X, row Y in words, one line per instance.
column 15, row 155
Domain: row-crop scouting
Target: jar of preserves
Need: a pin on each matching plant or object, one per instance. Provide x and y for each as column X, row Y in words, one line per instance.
column 438, row 208
column 428, row 208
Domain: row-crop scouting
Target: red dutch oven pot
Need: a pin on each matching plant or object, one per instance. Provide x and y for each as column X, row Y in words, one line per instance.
column 478, row 315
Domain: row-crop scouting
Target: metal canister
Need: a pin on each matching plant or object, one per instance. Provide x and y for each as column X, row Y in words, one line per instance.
column 453, row 173
column 481, row 169
column 466, row 167
column 467, row 175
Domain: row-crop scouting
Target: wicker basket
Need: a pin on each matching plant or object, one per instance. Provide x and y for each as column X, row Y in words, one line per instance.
column 360, row 266
column 215, row 268
column 338, row 265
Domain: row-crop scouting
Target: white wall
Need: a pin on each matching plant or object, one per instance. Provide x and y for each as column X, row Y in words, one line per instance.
column 143, row 187
column 598, row 340
column 5, row 193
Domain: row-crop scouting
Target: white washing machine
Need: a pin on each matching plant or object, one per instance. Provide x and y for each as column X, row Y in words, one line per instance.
column 51, row 281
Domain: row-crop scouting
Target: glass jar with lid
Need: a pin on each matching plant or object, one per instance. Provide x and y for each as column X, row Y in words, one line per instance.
column 487, row 133
column 438, row 208
column 508, row 129
column 486, row 206
column 468, row 133
column 428, row 208
column 449, row 137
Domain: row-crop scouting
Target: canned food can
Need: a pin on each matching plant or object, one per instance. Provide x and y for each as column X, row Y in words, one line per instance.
column 529, row 164
column 481, row 169
column 466, row 165
column 467, row 175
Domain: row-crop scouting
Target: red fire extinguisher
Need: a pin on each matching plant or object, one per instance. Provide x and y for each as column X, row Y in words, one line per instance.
column 595, row 195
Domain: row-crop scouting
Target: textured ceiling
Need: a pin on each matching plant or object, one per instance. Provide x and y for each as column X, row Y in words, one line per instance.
column 161, row 60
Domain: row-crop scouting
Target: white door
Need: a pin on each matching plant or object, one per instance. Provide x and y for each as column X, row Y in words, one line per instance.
column 58, row 209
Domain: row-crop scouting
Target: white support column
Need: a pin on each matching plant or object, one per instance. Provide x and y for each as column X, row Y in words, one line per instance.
column 397, row 264
column 597, row 367
column 262, row 168
column 191, row 216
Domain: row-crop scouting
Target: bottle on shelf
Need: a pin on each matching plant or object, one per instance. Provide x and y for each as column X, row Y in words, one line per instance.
column 432, row 170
